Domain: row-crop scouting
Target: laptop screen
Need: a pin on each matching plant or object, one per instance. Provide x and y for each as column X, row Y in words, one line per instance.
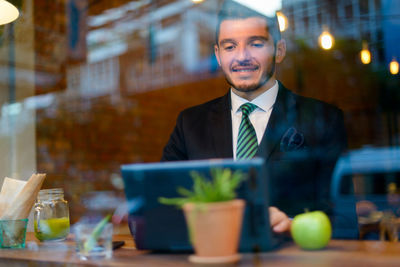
column 159, row 227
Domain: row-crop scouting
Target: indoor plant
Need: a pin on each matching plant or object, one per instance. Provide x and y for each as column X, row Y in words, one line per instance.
column 213, row 215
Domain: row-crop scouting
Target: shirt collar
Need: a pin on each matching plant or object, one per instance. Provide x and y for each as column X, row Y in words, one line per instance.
column 265, row 101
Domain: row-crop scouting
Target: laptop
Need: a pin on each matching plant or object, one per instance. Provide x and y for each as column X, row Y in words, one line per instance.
column 162, row 228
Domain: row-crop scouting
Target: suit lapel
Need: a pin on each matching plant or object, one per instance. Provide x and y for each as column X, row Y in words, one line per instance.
column 281, row 119
column 221, row 129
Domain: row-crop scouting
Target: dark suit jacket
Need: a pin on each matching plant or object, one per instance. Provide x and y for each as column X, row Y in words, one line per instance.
column 303, row 139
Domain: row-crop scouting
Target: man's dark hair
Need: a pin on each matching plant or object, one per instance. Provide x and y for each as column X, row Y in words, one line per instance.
column 233, row 10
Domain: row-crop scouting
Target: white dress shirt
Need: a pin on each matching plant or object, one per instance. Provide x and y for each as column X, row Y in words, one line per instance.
column 259, row 117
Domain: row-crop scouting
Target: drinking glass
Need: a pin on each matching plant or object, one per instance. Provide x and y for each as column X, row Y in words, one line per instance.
column 91, row 243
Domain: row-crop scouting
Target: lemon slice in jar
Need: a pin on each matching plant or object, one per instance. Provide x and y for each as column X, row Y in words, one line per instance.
column 52, row 229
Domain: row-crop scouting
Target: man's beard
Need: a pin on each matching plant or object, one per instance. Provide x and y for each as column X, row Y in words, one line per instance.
column 255, row 86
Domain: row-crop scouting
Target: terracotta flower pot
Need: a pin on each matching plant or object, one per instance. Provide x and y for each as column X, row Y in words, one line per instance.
column 214, row 230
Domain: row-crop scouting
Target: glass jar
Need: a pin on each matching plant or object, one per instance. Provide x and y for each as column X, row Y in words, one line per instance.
column 51, row 215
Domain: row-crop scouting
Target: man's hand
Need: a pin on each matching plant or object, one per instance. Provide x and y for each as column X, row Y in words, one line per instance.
column 280, row 222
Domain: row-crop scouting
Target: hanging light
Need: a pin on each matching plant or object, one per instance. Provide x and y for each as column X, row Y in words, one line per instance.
column 8, row 12
column 365, row 54
column 197, row 1
column 282, row 20
column 394, row 67
column 326, row 39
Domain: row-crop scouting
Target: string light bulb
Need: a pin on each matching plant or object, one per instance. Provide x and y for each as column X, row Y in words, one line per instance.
column 8, row 12
column 282, row 20
column 365, row 54
column 326, row 39
column 394, row 67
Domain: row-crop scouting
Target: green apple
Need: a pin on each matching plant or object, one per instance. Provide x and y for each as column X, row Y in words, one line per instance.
column 311, row 230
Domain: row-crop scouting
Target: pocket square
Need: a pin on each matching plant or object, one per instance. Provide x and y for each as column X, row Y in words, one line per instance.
column 292, row 140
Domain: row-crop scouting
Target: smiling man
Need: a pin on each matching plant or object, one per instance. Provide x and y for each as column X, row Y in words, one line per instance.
column 299, row 138
column 247, row 54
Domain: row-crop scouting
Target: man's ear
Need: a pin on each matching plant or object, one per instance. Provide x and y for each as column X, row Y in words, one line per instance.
column 280, row 51
column 216, row 52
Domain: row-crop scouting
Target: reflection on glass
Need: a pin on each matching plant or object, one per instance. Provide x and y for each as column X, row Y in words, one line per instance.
column 326, row 39
column 88, row 85
column 365, row 54
column 394, row 67
column 283, row 22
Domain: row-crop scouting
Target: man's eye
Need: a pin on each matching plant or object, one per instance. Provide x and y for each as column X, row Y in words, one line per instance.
column 229, row 47
column 258, row 44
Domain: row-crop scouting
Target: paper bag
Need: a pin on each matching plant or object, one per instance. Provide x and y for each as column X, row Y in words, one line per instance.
column 21, row 205
column 10, row 189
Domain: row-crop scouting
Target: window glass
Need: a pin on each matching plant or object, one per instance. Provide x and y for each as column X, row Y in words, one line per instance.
column 86, row 86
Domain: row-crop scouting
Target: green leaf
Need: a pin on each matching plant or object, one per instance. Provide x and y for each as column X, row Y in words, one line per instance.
column 172, row 201
column 221, row 187
column 185, row 192
column 94, row 236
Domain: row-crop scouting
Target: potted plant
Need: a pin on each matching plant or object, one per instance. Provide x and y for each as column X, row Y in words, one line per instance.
column 213, row 215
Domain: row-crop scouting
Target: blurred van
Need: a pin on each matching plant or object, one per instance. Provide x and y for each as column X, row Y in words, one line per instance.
column 375, row 174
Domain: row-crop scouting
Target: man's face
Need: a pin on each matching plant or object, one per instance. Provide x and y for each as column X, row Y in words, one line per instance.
column 247, row 54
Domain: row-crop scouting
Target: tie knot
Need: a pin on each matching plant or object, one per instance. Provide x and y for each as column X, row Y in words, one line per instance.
column 247, row 108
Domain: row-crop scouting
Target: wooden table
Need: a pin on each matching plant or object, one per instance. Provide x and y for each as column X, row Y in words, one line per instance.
column 338, row 253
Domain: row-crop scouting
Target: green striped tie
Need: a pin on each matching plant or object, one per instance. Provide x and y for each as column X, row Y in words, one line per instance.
column 247, row 138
